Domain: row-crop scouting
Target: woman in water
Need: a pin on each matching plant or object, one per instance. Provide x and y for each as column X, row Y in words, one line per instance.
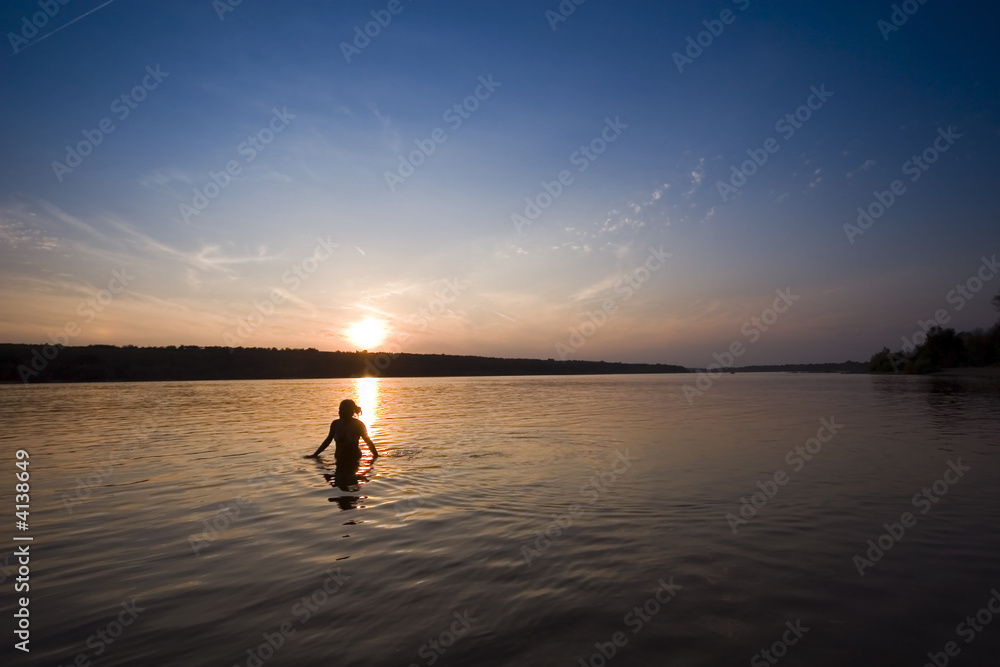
column 346, row 431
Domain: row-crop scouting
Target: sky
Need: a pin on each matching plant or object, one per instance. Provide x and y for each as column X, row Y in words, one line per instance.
column 619, row 181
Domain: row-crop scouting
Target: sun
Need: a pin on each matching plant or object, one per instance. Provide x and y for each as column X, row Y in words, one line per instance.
column 367, row 333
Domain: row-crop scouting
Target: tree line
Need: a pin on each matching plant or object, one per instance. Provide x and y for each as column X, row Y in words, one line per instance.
column 109, row 363
column 942, row 349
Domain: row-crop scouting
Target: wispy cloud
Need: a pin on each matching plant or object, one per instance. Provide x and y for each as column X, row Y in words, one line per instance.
column 865, row 167
column 697, row 175
column 816, row 181
column 58, row 214
column 18, row 234
column 161, row 179
column 207, row 258
column 594, row 289
column 390, row 135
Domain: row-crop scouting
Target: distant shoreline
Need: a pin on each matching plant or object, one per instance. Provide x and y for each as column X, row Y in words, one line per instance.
column 36, row 364
column 981, row 371
column 20, row 363
column 23, row 363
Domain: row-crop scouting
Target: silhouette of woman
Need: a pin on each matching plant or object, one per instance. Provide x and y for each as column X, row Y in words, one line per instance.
column 346, row 431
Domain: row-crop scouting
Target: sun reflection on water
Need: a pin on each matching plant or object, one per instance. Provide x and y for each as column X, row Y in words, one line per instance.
column 366, row 396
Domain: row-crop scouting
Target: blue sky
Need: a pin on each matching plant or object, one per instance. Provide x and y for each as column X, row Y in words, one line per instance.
column 233, row 272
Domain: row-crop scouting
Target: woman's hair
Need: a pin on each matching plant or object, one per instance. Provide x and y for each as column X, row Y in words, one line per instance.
column 348, row 409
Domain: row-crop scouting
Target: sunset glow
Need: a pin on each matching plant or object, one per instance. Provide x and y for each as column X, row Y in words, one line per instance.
column 640, row 198
column 367, row 334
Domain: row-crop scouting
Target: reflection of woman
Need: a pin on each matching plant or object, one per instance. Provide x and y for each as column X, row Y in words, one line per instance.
column 346, row 431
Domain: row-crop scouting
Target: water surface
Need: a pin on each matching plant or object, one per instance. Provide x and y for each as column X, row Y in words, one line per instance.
column 510, row 521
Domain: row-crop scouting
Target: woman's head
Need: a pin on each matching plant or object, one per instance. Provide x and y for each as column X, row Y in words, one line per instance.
column 348, row 409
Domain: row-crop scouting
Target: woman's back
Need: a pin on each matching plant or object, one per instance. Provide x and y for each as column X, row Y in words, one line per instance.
column 346, row 433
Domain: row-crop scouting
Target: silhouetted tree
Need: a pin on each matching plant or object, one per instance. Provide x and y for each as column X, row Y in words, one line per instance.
column 943, row 349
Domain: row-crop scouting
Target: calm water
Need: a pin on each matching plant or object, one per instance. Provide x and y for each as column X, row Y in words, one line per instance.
column 442, row 556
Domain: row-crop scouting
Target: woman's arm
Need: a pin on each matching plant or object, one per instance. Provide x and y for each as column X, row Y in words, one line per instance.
column 368, row 441
column 326, row 443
